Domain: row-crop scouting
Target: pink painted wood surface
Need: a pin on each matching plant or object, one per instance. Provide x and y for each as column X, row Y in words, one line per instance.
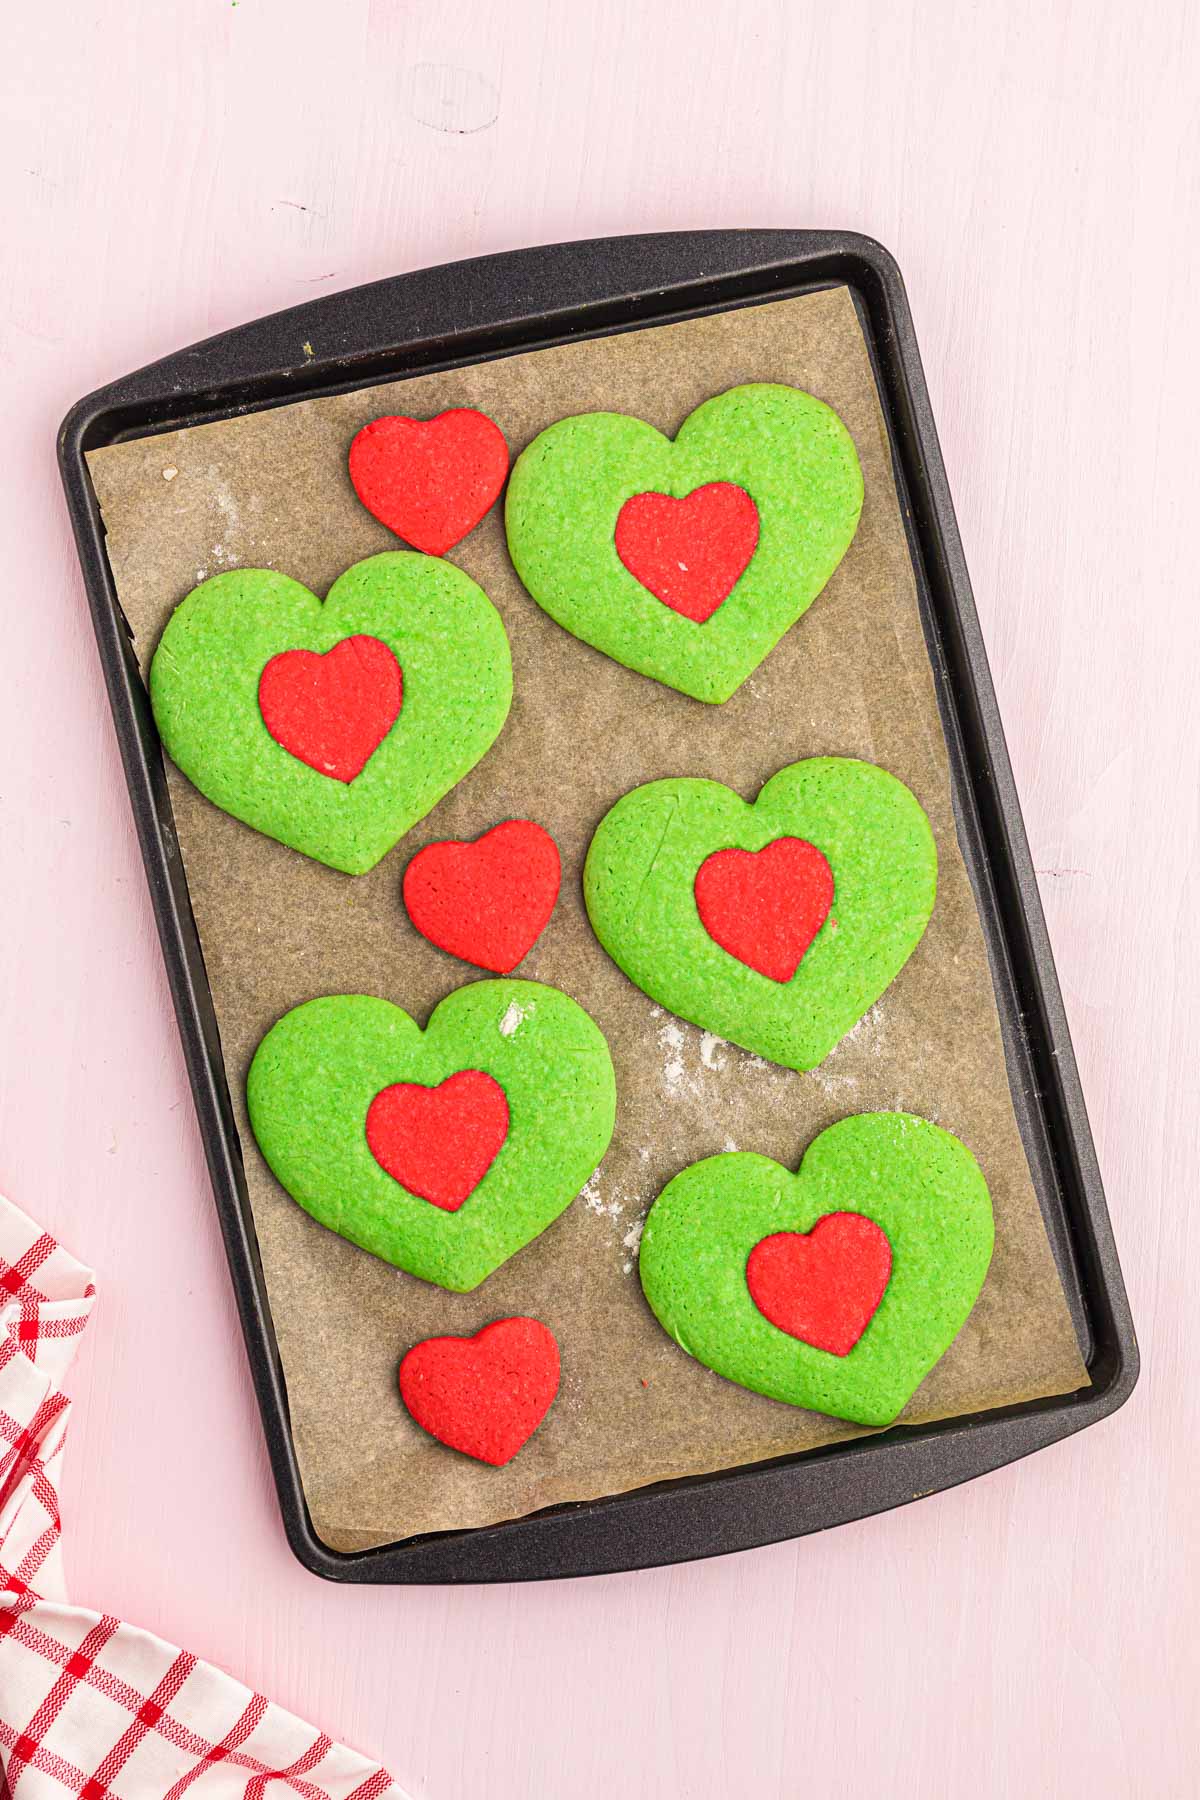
column 171, row 170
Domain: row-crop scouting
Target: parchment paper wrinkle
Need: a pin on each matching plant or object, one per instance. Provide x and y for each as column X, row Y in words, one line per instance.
column 851, row 679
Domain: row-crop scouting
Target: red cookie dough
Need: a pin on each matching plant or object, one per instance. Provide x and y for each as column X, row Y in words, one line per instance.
column 822, row 1286
column 430, row 480
column 766, row 906
column 484, row 1395
column 690, row 553
column 439, row 1142
column 489, row 901
column 332, row 712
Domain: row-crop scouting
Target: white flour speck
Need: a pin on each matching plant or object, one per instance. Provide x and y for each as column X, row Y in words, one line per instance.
column 869, row 1038
column 515, row 1016
column 170, row 472
column 593, row 1199
column 671, row 1038
column 710, row 1044
column 632, row 1242
column 870, row 1026
column 228, row 505
column 838, row 1087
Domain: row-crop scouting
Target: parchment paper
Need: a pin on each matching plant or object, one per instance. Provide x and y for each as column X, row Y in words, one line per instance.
column 851, row 679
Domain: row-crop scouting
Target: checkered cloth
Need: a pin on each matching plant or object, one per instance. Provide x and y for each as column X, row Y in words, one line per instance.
column 90, row 1706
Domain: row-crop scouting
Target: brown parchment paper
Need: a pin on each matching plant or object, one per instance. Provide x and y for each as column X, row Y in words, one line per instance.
column 851, row 679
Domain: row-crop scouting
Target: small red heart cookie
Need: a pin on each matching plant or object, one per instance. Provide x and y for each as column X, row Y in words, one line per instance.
column 484, row 1395
column 333, row 711
column 439, row 1142
column 430, row 480
column 823, row 1286
column 690, row 553
column 765, row 906
column 489, row 901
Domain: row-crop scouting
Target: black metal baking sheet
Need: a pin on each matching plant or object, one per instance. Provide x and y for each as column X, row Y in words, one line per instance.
column 464, row 312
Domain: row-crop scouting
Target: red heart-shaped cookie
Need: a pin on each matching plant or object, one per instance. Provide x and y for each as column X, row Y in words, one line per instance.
column 823, row 1286
column 484, row 1395
column 489, row 901
column 430, row 480
column 690, row 552
column 439, row 1142
column 765, row 906
column 333, row 711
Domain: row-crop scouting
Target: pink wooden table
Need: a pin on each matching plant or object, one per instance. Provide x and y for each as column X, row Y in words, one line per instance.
column 171, row 170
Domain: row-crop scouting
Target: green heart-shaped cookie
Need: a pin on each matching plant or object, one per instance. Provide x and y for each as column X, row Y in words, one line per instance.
column 788, row 451
column 316, row 1073
column 919, row 1185
column 454, row 661
column 639, row 885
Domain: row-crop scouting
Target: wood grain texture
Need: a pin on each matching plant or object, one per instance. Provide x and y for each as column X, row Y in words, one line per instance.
column 169, row 171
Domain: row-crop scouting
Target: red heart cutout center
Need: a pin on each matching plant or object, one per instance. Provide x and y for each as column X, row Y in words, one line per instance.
column 430, row 480
column 484, row 1395
column 487, row 902
column 690, row 552
column 823, row 1286
column 439, row 1142
column 333, row 711
column 765, row 906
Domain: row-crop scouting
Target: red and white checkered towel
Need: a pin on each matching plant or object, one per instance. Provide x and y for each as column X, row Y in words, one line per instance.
column 90, row 1706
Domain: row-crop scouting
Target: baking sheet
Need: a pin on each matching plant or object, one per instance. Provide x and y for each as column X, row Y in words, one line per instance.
column 853, row 679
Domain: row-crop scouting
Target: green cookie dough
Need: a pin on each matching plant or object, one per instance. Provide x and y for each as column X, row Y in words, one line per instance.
column 924, row 1190
column 787, row 450
column 317, row 1071
column 457, row 675
column 639, row 882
